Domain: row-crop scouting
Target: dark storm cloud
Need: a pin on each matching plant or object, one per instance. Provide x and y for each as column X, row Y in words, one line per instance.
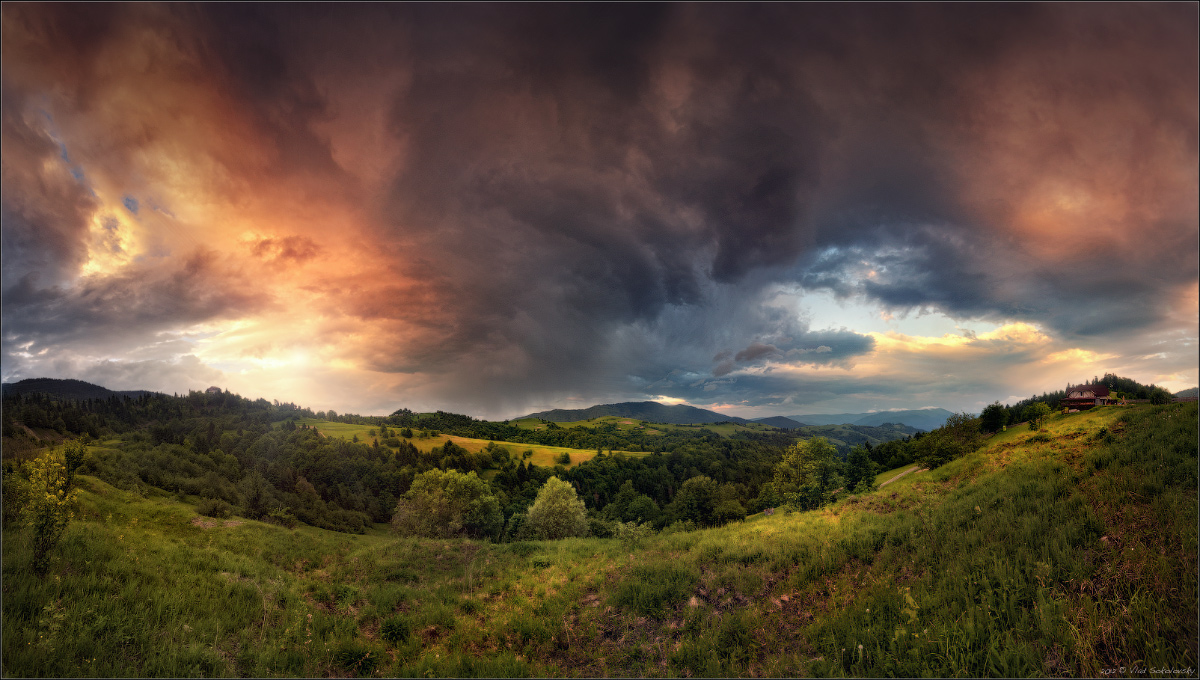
column 112, row 314
column 592, row 198
column 44, row 209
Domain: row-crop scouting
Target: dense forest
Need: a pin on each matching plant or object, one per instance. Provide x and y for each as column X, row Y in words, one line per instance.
column 258, row 459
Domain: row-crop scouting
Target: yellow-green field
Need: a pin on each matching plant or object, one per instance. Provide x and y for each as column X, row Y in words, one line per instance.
column 628, row 424
column 546, row 456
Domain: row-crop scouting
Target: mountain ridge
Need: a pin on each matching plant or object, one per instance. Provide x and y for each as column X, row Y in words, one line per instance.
column 650, row 411
column 922, row 419
column 66, row 388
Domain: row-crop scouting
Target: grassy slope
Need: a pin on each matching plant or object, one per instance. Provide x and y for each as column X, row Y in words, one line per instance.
column 624, row 424
column 1062, row 557
column 542, row 455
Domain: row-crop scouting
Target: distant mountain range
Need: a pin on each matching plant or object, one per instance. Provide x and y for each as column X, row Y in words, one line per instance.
column 780, row 422
column 679, row 414
column 66, row 389
column 922, row 419
column 1189, row 393
column 651, row 411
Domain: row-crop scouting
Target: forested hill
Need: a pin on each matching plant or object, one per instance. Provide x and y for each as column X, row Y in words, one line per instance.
column 650, row 411
column 780, row 422
column 66, row 389
column 922, row 419
column 267, row 460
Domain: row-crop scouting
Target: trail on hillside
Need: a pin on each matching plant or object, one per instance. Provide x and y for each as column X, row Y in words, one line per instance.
column 915, row 468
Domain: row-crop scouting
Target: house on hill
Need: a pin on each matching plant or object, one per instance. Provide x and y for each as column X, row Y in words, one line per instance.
column 1086, row 396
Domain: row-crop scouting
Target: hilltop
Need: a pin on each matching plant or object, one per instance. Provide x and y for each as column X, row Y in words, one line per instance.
column 780, row 422
column 922, row 419
column 650, row 411
column 66, row 389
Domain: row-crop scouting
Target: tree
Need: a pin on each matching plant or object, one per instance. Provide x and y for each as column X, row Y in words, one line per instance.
column 256, row 494
column 993, row 418
column 958, row 437
column 808, row 473
column 697, row 501
column 446, row 503
column 51, row 498
column 1035, row 413
column 1160, row 396
column 642, row 509
column 860, row 470
column 557, row 512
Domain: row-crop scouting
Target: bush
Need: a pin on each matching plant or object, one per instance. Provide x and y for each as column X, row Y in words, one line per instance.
column 215, row 507
column 395, row 630
column 356, row 659
column 1035, row 414
column 445, row 503
column 600, row 527
column 50, row 498
column 557, row 512
column 283, row 517
column 632, row 534
column 729, row 511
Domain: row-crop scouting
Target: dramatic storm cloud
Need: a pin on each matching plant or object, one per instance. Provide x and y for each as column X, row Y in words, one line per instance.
column 494, row 209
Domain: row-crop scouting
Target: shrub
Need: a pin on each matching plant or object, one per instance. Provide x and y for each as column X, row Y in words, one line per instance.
column 444, row 503
column 356, row 659
column 50, row 498
column 395, row 630
column 214, row 507
column 600, row 527
column 283, row 517
column 1035, row 414
column 631, row 534
column 557, row 512
column 729, row 511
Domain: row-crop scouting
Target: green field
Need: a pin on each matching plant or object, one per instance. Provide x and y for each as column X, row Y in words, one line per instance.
column 633, row 424
column 1063, row 553
column 546, row 456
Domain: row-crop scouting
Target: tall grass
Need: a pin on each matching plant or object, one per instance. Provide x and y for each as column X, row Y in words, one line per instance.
column 1070, row 556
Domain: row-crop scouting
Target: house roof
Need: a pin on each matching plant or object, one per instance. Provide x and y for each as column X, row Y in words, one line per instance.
column 1096, row 390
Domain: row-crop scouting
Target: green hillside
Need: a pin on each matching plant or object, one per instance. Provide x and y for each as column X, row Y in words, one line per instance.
column 1066, row 552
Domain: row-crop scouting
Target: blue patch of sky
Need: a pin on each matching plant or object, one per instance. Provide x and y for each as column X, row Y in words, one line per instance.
column 825, row 311
column 131, row 204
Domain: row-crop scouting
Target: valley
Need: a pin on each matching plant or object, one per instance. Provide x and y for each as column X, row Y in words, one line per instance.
column 1056, row 552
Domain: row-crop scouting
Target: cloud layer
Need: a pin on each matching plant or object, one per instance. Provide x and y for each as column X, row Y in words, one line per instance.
column 495, row 209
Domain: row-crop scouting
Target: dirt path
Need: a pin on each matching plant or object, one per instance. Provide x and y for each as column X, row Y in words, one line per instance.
column 911, row 469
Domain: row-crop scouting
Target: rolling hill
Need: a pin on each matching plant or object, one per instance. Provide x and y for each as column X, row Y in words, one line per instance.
column 922, row 419
column 780, row 422
column 66, row 389
column 650, row 411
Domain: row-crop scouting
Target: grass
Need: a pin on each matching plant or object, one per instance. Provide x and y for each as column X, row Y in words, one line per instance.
column 546, row 456
column 633, row 424
column 1068, row 557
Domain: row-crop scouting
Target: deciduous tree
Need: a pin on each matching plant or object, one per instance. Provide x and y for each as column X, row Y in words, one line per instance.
column 557, row 512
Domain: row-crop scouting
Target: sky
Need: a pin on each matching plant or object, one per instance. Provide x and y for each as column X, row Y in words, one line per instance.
column 497, row 209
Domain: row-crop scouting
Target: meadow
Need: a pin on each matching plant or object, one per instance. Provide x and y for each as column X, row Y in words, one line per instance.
column 1064, row 552
column 537, row 454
